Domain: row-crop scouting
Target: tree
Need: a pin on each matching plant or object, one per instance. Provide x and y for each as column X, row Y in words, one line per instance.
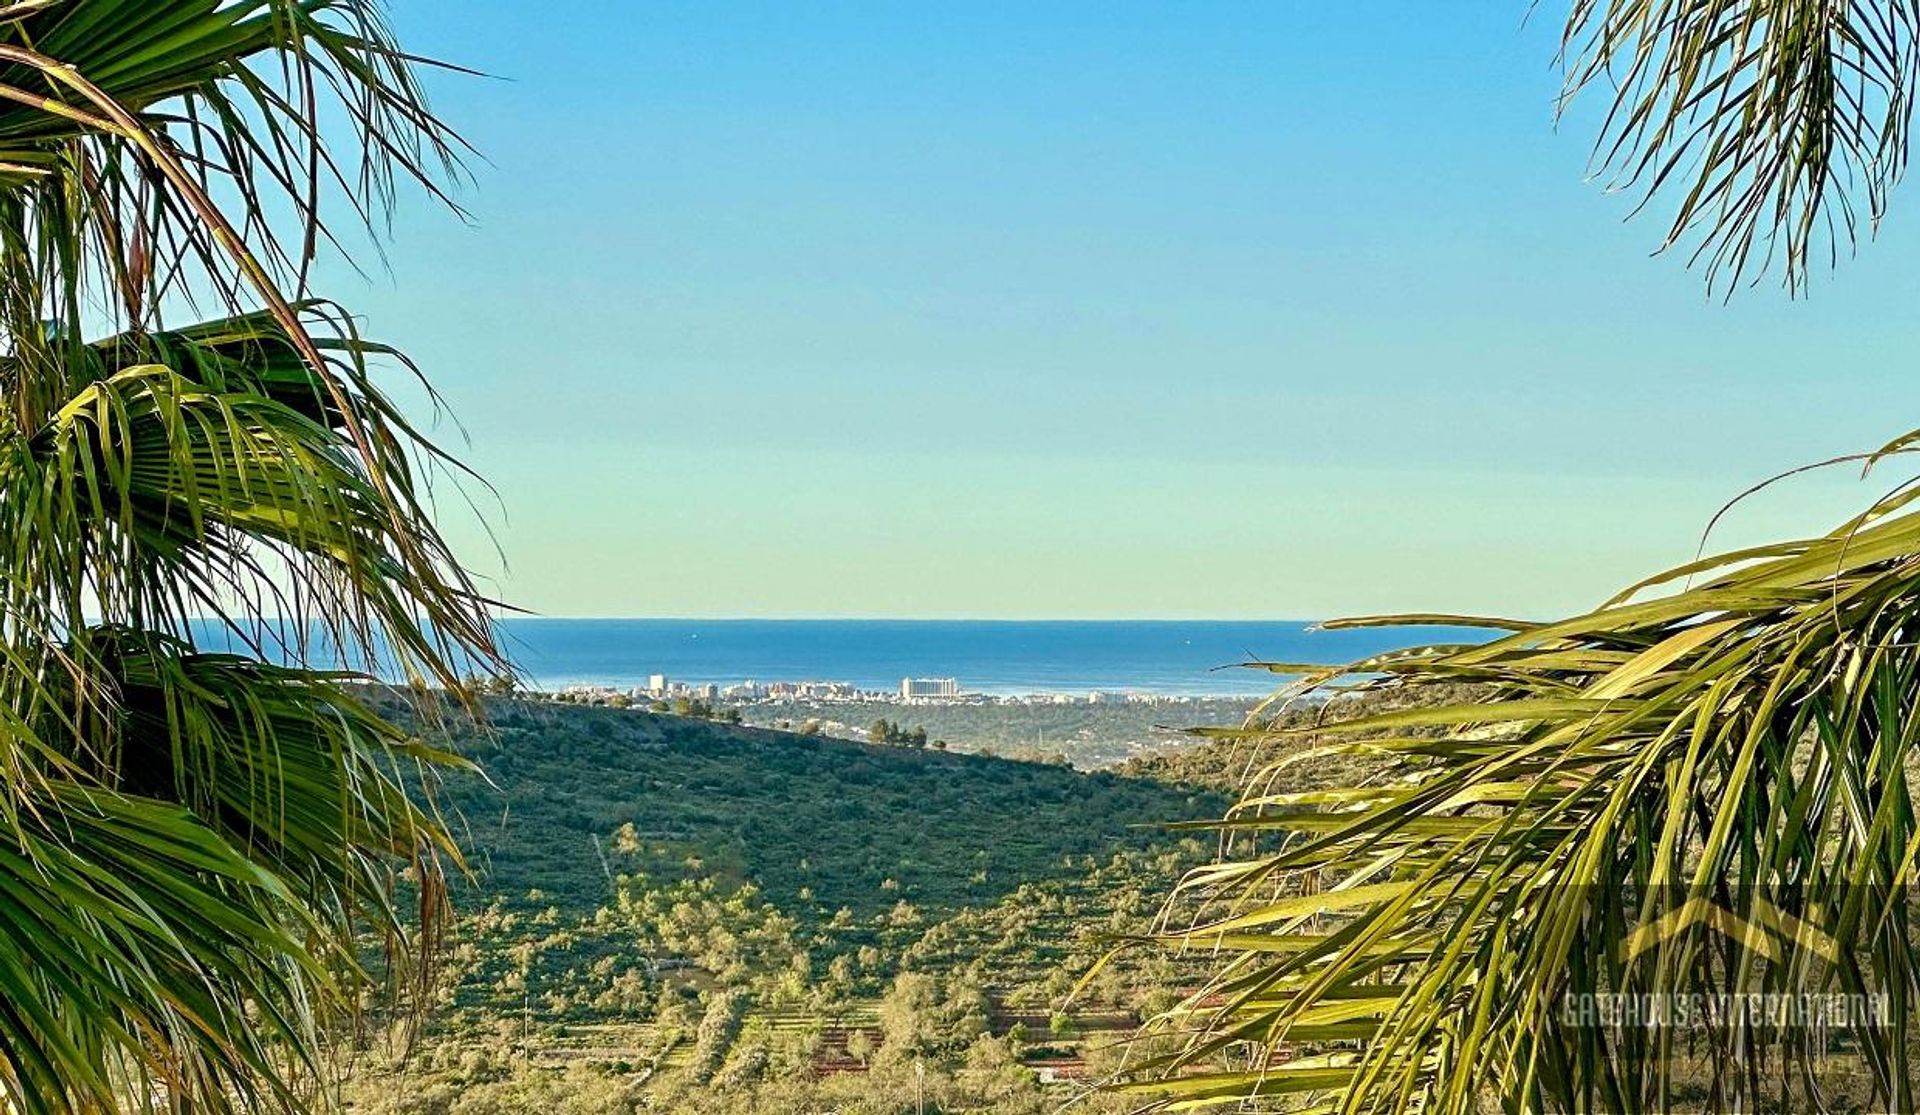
column 198, row 816
column 880, row 732
column 1696, row 789
column 929, row 1015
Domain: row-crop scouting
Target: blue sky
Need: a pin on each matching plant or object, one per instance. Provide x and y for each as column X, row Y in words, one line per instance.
column 1223, row 310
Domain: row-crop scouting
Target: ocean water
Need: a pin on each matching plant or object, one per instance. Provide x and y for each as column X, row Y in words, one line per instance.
column 1000, row 657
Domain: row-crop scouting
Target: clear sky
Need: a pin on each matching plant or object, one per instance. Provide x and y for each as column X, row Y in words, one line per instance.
column 1264, row 310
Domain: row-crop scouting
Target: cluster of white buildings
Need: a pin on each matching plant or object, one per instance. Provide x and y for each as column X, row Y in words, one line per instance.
column 792, row 691
column 1097, row 697
column 912, row 691
column 660, row 687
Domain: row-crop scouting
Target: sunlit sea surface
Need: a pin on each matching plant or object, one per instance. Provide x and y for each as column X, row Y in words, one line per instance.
column 1000, row 657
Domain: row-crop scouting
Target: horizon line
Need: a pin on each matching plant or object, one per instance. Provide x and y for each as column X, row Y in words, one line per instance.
column 902, row 619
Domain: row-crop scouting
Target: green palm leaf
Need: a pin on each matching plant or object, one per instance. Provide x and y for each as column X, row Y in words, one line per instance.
column 1725, row 809
column 1695, row 793
column 194, row 844
column 1780, row 127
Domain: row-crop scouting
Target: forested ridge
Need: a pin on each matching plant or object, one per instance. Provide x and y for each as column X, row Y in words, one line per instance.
column 669, row 913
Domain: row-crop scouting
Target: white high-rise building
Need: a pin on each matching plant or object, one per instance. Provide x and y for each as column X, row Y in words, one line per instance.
column 928, row 687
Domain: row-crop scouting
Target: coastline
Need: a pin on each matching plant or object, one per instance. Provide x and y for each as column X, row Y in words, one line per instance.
column 1002, row 659
column 1050, row 728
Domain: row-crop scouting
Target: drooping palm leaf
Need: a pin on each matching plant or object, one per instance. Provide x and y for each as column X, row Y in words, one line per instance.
column 144, row 958
column 1779, row 128
column 193, row 842
column 1698, row 790
column 1635, row 782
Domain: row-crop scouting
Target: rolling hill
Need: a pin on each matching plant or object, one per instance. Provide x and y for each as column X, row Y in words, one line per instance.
column 671, row 913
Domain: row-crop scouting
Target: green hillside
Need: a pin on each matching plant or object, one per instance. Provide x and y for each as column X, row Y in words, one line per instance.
column 673, row 914
column 788, row 813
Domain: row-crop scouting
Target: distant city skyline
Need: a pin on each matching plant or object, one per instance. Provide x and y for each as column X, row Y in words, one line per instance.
column 1095, row 311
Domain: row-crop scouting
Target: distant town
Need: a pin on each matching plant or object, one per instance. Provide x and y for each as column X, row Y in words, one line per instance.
column 1087, row 729
column 911, row 691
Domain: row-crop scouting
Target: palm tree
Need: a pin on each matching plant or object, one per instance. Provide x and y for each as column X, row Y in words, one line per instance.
column 1697, row 791
column 208, row 531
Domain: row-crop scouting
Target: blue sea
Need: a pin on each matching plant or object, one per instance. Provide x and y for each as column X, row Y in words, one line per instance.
column 1000, row 657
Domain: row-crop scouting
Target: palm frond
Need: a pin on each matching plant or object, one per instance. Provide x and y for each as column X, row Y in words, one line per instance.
column 145, row 960
column 1678, row 798
column 159, row 492
column 1780, row 128
column 1695, row 794
column 194, row 846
